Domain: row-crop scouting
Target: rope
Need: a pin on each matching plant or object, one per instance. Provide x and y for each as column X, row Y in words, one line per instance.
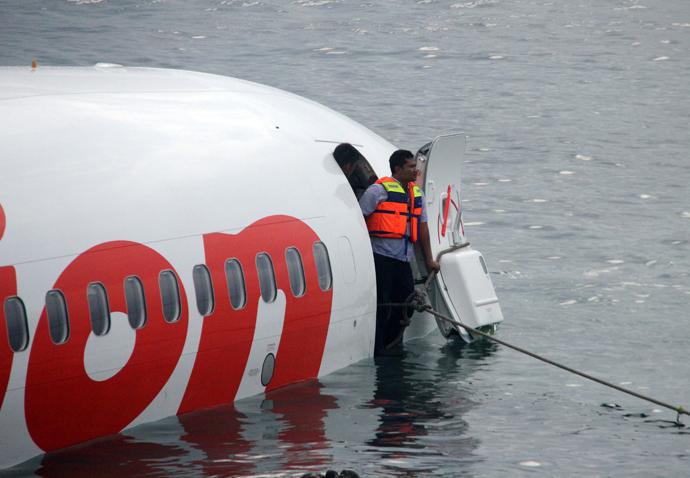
column 679, row 410
column 418, row 297
column 415, row 300
column 451, row 249
column 421, row 307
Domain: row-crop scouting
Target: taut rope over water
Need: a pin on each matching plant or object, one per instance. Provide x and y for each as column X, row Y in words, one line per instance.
column 417, row 300
column 679, row 410
column 418, row 297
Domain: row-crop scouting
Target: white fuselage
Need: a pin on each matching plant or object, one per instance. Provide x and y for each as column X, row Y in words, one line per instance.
column 113, row 175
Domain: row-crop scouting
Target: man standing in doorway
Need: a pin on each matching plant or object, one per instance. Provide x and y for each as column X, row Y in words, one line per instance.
column 395, row 212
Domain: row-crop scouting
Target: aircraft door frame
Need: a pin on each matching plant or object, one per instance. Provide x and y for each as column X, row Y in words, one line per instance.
column 440, row 165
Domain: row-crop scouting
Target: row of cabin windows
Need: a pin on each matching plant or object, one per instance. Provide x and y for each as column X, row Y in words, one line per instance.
column 99, row 309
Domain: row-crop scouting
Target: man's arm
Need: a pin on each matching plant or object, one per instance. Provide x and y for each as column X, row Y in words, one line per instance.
column 371, row 199
column 425, row 243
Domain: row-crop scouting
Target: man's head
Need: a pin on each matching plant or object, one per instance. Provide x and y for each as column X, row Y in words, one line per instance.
column 346, row 156
column 403, row 166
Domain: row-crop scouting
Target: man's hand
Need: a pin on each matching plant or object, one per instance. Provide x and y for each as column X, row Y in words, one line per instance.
column 432, row 265
column 425, row 242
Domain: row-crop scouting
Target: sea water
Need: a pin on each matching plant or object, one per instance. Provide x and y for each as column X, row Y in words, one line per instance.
column 575, row 190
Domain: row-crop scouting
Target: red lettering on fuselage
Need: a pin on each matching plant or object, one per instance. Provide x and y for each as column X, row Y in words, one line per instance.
column 64, row 405
column 8, row 288
column 227, row 334
column 307, row 317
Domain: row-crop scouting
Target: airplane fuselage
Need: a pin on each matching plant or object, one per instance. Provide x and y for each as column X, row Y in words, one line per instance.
column 169, row 241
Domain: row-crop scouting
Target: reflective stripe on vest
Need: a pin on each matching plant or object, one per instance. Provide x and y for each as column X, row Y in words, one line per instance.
column 391, row 216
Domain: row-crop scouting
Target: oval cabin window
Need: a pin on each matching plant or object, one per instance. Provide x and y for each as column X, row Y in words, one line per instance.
column 17, row 326
column 298, row 285
column 323, row 266
column 170, row 296
column 267, row 277
column 136, row 302
column 98, row 308
column 236, row 288
column 204, row 289
column 58, row 320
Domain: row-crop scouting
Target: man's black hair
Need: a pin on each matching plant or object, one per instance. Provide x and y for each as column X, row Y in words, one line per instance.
column 399, row 158
column 345, row 153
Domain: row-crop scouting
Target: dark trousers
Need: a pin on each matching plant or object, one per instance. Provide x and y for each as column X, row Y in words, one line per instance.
column 394, row 284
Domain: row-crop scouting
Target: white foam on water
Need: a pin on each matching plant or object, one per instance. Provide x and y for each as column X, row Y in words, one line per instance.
column 596, row 273
column 310, row 3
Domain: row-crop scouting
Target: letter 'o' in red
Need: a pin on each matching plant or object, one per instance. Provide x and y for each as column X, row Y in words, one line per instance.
column 64, row 405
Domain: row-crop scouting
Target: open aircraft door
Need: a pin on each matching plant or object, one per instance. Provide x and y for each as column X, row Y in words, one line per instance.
column 463, row 289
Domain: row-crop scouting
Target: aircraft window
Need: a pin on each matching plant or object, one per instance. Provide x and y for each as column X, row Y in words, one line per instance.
column 204, row 289
column 17, row 327
column 98, row 308
column 295, row 271
column 267, row 277
column 170, row 296
column 58, row 320
column 136, row 302
column 235, row 279
column 323, row 266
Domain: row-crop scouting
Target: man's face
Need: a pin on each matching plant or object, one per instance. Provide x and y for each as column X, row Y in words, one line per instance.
column 409, row 171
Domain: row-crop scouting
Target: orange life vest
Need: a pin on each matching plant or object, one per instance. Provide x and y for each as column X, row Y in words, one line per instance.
column 391, row 216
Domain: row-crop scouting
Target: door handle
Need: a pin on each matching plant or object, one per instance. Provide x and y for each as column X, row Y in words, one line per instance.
column 430, row 192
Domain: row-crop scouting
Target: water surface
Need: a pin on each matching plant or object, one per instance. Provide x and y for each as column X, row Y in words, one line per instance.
column 575, row 190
